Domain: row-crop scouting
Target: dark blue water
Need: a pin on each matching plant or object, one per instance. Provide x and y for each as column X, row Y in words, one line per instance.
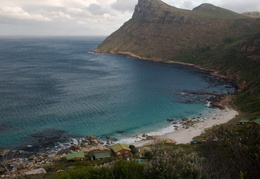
column 57, row 84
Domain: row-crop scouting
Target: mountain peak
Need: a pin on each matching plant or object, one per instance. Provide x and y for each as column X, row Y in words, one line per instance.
column 156, row 11
column 162, row 31
column 206, row 7
column 208, row 10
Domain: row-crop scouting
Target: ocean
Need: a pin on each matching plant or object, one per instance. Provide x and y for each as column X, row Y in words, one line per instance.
column 55, row 86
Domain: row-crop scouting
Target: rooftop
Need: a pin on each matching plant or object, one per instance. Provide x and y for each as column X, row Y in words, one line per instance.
column 75, row 155
column 118, row 147
column 243, row 120
column 102, row 155
column 256, row 121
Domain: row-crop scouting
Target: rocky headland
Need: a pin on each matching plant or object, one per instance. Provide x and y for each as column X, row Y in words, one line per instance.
column 211, row 38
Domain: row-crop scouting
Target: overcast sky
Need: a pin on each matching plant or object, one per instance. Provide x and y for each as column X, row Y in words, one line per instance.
column 85, row 17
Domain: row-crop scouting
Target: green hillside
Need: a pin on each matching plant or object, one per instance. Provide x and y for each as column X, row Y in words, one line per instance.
column 208, row 36
column 209, row 10
column 252, row 14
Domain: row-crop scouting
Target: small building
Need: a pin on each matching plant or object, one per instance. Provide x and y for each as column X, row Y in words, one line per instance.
column 255, row 123
column 143, row 151
column 75, row 156
column 101, row 155
column 121, row 150
column 243, row 122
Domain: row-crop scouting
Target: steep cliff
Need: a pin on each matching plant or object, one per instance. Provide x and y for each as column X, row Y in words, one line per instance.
column 208, row 36
column 158, row 30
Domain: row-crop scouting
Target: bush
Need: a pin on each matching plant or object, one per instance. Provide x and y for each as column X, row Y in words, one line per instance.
column 235, row 153
column 174, row 162
column 128, row 170
column 84, row 173
column 133, row 149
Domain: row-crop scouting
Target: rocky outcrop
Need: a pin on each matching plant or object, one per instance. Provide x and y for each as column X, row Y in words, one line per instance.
column 92, row 140
column 156, row 11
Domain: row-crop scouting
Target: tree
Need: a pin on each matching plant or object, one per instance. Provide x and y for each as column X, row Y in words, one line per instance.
column 133, row 149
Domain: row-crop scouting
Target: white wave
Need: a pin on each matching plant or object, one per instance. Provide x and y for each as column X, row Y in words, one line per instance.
column 208, row 104
column 140, row 137
column 162, row 131
column 129, row 140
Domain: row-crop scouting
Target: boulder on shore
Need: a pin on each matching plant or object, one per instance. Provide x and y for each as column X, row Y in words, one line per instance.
column 32, row 157
column 2, row 170
column 185, row 119
column 92, row 140
column 36, row 171
column 5, row 152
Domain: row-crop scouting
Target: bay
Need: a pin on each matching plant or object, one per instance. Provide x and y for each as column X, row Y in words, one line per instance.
column 58, row 84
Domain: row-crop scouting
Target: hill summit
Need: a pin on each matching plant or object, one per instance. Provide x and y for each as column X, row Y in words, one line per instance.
column 209, row 36
column 217, row 12
column 157, row 30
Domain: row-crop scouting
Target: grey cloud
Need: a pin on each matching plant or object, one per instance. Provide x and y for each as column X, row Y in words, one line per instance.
column 42, row 29
column 188, row 5
column 96, row 9
column 241, row 6
column 124, row 5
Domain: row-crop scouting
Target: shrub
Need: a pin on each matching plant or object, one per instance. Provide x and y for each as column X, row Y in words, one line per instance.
column 84, row 173
column 133, row 149
column 128, row 170
column 174, row 162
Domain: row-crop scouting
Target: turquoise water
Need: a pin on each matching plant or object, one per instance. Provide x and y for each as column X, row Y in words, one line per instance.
column 58, row 84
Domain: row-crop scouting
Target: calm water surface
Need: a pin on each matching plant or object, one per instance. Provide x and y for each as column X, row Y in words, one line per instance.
column 57, row 84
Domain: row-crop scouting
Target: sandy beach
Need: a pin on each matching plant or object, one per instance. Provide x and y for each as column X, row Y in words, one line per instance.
column 184, row 136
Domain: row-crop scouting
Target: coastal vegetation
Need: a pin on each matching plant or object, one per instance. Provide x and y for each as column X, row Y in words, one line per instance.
column 225, row 153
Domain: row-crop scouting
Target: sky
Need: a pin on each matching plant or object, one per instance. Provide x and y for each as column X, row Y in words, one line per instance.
column 85, row 17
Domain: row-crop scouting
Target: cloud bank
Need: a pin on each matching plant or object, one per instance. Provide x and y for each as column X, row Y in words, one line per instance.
column 85, row 17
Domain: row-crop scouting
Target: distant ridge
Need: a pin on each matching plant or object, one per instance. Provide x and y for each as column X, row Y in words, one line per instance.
column 208, row 36
column 252, row 14
column 217, row 12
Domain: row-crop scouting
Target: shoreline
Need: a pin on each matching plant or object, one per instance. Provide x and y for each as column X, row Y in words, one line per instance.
column 184, row 136
column 215, row 73
column 24, row 165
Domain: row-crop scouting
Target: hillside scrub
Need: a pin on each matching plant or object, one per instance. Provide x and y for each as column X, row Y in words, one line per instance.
column 229, row 153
